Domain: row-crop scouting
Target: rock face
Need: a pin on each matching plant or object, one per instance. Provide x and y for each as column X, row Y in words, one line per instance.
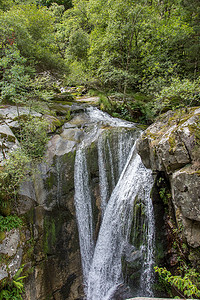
column 49, row 243
column 171, row 145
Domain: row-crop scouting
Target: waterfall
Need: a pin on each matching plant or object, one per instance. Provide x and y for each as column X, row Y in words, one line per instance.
column 111, row 156
column 83, row 205
column 105, row 274
column 122, row 180
column 146, row 281
column 103, row 180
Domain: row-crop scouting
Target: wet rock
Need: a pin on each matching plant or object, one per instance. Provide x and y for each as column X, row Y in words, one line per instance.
column 73, row 134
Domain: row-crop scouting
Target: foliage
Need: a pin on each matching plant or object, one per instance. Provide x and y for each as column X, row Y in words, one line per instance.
column 16, row 76
column 164, row 195
column 10, row 222
column 14, row 289
column 32, row 29
column 33, row 137
column 14, row 172
column 189, row 284
column 180, row 93
column 21, row 163
column 66, row 3
column 146, row 46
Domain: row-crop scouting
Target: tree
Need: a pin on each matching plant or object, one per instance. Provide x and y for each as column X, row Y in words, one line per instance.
column 34, row 34
column 66, row 3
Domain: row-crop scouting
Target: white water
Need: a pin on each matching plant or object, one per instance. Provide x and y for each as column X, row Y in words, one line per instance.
column 147, row 278
column 97, row 115
column 112, row 160
column 102, row 268
column 103, row 180
column 106, row 270
column 84, row 211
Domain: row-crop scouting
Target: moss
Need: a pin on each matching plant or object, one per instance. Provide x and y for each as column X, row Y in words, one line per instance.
column 56, row 123
column 49, row 235
column 195, row 130
column 11, row 138
column 5, row 208
column 63, row 97
column 2, row 236
column 172, row 143
column 70, row 103
column 50, row 181
column 68, row 116
column 3, row 135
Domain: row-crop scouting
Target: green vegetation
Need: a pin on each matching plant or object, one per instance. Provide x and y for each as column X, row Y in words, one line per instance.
column 13, row 289
column 141, row 56
column 187, row 285
column 10, row 222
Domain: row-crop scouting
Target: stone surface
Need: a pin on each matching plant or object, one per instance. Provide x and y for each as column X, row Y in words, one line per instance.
column 186, row 192
column 10, row 243
column 3, row 272
column 8, row 141
column 171, row 145
column 15, row 264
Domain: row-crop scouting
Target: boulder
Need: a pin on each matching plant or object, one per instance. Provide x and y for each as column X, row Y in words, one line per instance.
column 8, row 142
column 171, row 145
column 10, row 244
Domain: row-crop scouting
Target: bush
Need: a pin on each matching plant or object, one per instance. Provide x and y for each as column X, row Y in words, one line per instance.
column 33, row 137
column 10, row 222
column 189, row 284
column 181, row 93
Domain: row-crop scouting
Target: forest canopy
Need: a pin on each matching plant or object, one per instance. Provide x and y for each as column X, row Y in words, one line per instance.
column 133, row 51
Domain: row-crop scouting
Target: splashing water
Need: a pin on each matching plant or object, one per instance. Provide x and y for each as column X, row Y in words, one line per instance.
column 102, row 264
column 106, row 270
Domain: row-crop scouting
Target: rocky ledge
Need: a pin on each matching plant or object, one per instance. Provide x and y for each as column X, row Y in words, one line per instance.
column 172, row 145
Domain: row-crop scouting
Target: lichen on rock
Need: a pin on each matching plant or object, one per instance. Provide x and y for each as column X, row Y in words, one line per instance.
column 171, row 145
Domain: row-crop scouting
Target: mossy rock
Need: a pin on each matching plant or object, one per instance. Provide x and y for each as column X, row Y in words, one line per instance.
column 5, row 208
column 2, row 236
column 63, row 97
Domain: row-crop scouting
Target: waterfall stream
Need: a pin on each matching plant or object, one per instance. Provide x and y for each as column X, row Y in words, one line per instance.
column 122, row 179
column 84, row 214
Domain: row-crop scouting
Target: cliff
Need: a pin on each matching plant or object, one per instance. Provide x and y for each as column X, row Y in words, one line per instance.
column 171, row 148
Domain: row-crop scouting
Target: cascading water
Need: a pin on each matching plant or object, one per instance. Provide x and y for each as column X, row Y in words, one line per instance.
column 109, row 157
column 147, row 277
column 102, row 264
column 106, row 270
column 84, row 216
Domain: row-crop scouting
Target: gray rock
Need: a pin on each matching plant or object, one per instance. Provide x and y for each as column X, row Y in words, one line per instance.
column 10, row 112
column 8, row 142
column 3, row 272
column 186, row 193
column 192, row 232
column 171, row 145
column 16, row 262
column 10, row 243
column 27, row 197
column 72, row 134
